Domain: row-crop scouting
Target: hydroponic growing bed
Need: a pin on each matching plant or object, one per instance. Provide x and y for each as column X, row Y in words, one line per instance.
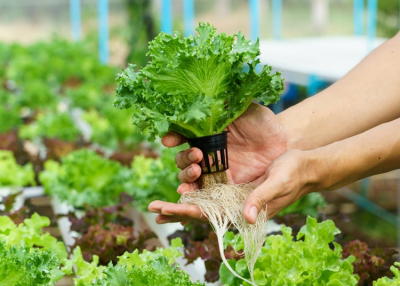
column 62, row 139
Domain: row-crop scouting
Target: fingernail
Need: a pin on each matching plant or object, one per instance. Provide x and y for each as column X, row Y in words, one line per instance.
column 167, row 213
column 192, row 156
column 162, row 221
column 190, row 172
column 253, row 213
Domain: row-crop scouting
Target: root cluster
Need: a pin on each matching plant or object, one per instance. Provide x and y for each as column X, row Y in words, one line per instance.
column 223, row 205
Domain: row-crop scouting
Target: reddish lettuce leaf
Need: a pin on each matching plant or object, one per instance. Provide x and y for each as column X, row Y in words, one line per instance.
column 102, row 216
column 369, row 264
column 110, row 241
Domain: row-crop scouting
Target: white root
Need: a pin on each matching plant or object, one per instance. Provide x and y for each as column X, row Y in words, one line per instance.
column 223, row 205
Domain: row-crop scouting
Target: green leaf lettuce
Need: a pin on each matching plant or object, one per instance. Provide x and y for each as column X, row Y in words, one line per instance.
column 307, row 261
column 196, row 86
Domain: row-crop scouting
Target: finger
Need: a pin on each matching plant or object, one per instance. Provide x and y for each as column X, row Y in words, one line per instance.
column 172, row 139
column 156, row 206
column 185, row 158
column 162, row 219
column 185, row 187
column 257, row 199
column 186, row 212
column 183, row 223
column 190, row 174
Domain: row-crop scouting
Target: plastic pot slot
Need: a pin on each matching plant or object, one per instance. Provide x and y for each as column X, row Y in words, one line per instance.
column 215, row 152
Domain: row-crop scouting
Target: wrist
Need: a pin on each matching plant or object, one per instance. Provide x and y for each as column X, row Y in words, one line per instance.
column 317, row 171
column 295, row 133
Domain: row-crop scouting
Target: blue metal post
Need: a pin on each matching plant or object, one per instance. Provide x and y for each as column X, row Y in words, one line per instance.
column 103, row 31
column 277, row 19
column 372, row 10
column 254, row 20
column 365, row 187
column 278, row 106
column 368, row 205
column 166, row 16
column 358, row 14
column 314, row 84
column 188, row 17
column 75, row 17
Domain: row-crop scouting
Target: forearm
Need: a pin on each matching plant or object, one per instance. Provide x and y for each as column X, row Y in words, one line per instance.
column 372, row 152
column 367, row 96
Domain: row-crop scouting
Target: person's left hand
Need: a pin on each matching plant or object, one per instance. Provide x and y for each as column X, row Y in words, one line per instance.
column 289, row 177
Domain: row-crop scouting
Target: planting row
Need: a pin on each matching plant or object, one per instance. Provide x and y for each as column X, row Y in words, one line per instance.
column 62, row 134
column 107, row 250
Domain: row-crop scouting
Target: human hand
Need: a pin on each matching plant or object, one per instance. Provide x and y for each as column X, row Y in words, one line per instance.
column 255, row 139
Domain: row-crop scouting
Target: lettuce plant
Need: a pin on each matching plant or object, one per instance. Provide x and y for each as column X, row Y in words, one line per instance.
column 148, row 268
column 30, row 234
column 27, row 255
column 155, row 179
column 307, row 261
column 22, row 265
column 52, row 125
column 110, row 241
column 9, row 118
column 385, row 281
column 84, row 177
column 107, row 232
column 369, row 264
column 196, row 86
column 111, row 129
column 12, row 174
column 308, row 205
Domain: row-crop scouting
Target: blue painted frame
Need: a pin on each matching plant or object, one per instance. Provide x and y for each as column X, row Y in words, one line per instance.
column 166, row 16
column 104, row 34
column 372, row 10
column 75, row 18
column 358, row 17
column 277, row 19
column 188, row 17
column 254, row 20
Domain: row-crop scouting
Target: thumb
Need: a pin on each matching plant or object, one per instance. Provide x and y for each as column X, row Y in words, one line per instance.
column 257, row 200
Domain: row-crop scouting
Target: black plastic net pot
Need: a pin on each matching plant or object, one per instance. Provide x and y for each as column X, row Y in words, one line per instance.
column 215, row 158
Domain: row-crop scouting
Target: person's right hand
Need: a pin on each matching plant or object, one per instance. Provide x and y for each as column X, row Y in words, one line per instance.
column 255, row 139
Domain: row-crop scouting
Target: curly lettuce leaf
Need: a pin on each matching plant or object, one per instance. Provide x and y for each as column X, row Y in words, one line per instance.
column 110, row 241
column 27, row 255
column 308, row 205
column 196, row 86
column 52, row 125
column 153, row 272
column 369, row 264
column 9, row 118
column 309, row 260
column 111, row 128
column 385, row 281
column 12, row 174
column 84, row 177
column 30, row 234
column 148, row 268
column 155, row 179
column 28, row 266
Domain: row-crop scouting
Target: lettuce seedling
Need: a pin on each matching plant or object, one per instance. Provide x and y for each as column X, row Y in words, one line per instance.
column 196, row 86
column 148, row 268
